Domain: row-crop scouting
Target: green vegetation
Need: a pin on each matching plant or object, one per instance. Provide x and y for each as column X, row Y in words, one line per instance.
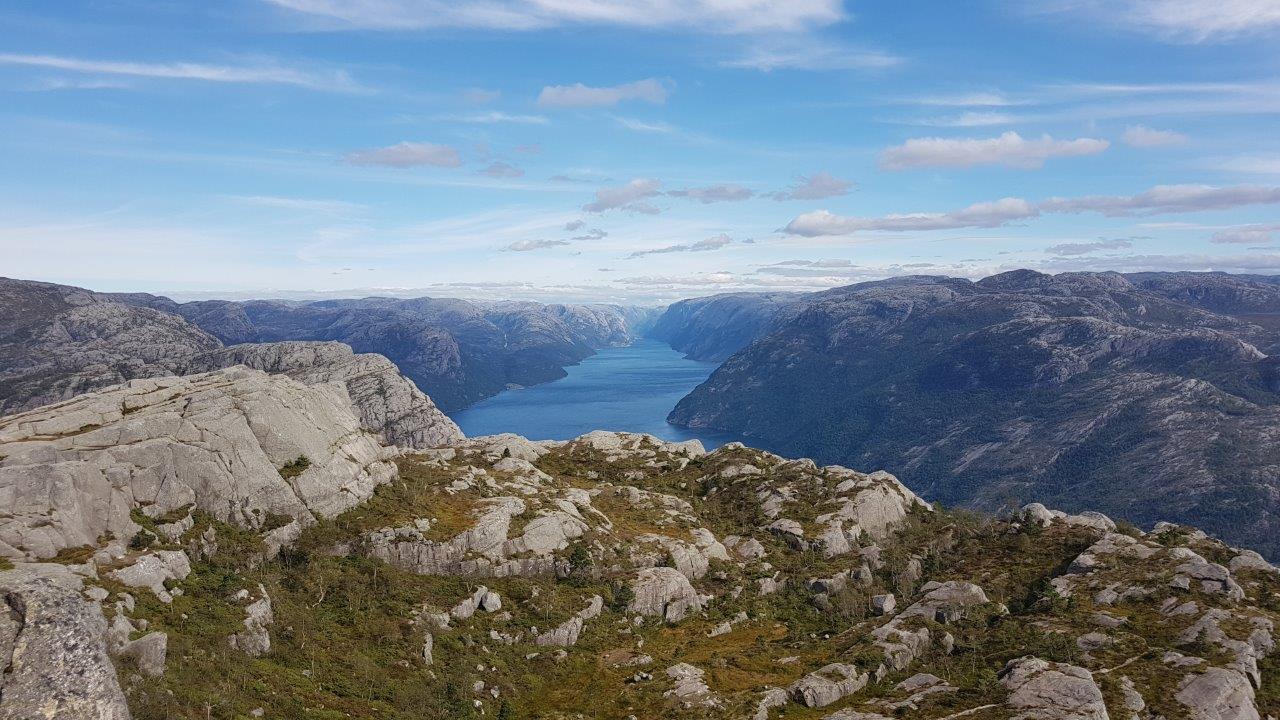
column 295, row 468
column 348, row 633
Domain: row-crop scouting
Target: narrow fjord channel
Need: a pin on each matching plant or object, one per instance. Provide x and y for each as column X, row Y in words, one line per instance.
column 628, row 388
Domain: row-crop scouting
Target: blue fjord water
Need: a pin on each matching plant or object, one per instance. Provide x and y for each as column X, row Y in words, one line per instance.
column 628, row 388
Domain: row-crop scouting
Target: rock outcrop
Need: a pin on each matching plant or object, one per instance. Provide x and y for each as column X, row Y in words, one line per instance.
column 57, row 342
column 1042, row 690
column 386, row 402
column 53, row 649
column 254, row 450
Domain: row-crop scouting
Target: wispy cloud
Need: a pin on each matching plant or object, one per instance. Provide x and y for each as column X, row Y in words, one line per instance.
column 1191, row 21
column 711, row 243
column 267, row 74
column 1142, row 136
column 817, row 186
column 1247, row 235
column 1085, row 248
column 495, row 118
column 708, row 16
column 407, row 155
column 715, row 193
column 1010, row 150
column 529, row 245
column 806, row 52
column 304, row 205
column 578, row 95
column 978, row 215
column 499, row 169
column 1161, row 199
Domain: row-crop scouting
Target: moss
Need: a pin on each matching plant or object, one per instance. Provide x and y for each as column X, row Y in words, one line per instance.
column 295, row 468
column 5, row 564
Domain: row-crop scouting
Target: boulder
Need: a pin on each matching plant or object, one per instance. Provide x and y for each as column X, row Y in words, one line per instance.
column 1043, row 690
column 53, row 649
column 1217, row 694
column 147, row 653
column 255, row 640
column 664, row 592
column 828, row 684
column 152, row 570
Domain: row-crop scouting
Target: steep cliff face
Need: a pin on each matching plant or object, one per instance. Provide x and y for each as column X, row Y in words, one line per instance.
column 1083, row 390
column 58, row 341
column 713, row 328
column 386, row 402
column 456, row 351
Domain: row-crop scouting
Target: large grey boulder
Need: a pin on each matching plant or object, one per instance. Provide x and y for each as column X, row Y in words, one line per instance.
column 1043, row 690
column 664, row 592
column 387, row 402
column 53, row 653
column 71, row 473
column 255, row 639
column 828, row 684
column 1218, row 694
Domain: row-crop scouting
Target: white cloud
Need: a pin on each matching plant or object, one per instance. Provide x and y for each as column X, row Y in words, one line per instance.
column 1252, row 164
column 578, row 95
column 972, row 99
column 1144, row 137
column 1010, row 150
column 817, row 186
column 528, row 245
column 712, row 16
column 407, row 155
column 499, row 169
column 970, row 119
column 1194, row 21
column 1085, row 248
column 711, row 243
column 1158, row 200
column 979, row 215
column 626, row 197
column 656, row 127
column 1247, row 235
column 715, row 193
column 320, row 207
column 243, row 74
column 495, row 117
column 573, row 225
column 805, row 52
column 1167, row 199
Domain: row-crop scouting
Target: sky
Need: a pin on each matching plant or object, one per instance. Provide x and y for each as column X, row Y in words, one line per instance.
column 635, row 151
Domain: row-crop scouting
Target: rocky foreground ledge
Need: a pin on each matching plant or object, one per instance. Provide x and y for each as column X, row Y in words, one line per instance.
column 236, row 545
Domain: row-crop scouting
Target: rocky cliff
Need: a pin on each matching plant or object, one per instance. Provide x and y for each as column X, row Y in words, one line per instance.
column 386, row 402
column 1082, row 390
column 456, row 351
column 58, row 341
column 612, row 576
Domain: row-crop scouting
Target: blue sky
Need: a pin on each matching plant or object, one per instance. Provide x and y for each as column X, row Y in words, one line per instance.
column 630, row 151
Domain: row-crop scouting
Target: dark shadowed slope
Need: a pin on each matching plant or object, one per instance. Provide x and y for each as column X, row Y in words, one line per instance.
column 1076, row 390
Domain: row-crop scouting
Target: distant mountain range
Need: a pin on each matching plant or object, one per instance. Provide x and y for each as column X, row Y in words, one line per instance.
column 1151, row 396
column 57, row 341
